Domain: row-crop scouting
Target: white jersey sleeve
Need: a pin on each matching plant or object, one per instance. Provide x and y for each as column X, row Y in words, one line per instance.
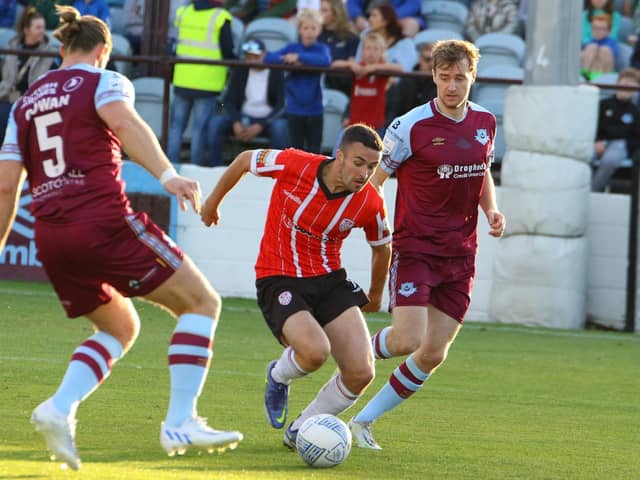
column 113, row 87
column 397, row 138
column 10, row 149
column 264, row 162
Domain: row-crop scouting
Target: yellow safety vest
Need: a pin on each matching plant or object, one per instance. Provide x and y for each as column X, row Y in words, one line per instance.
column 198, row 37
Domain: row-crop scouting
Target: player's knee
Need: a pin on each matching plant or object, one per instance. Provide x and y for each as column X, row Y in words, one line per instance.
column 356, row 380
column 405, row 345
column 430, row 360
column 316, row 355
column 206, row 302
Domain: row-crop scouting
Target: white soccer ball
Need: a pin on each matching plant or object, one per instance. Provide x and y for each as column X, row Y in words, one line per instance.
column 324, row 441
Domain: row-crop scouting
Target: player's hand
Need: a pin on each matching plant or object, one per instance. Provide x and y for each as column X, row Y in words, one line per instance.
column 210, row 214
column 374, row 305
column 497, row 223
column 185, row 190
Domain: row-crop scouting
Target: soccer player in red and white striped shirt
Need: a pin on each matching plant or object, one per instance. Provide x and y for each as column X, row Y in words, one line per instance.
column 310, row 305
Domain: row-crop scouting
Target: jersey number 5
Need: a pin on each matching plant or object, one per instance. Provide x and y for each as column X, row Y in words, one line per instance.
column 53, row 168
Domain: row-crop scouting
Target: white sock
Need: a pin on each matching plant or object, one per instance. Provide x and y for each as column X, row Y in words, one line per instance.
column 286, row 368
column 334, row 398
column 90, row 365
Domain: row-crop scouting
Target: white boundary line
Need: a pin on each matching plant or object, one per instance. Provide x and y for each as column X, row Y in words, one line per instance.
column 468, row 325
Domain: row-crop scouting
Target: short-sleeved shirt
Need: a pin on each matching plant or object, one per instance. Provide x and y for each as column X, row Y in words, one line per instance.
column 440, row 164
column 71, row 157
column 306, row 223
column 368, row 100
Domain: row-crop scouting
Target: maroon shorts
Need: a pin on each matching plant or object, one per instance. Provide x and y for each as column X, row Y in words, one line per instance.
column 421, row 280
column 84, row 261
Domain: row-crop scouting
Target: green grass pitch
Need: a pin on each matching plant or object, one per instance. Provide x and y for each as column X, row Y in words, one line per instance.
column 509, row 403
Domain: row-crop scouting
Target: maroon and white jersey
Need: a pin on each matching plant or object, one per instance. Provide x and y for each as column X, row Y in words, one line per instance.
column 306, row 223
column 440, row 164
column 72, row 159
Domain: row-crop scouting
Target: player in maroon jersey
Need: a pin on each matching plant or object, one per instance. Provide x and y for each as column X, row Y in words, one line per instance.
column 310, row 305
column 441, row 152
column 65, row 134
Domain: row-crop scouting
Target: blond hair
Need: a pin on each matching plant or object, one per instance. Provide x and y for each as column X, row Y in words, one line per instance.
column 308, row 15
column 449, row 52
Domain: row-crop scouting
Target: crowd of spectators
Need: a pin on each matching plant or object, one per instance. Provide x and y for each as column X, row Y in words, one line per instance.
column 286, row 109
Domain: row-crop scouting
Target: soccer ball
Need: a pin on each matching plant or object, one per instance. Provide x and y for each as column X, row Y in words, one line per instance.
column 323, row 441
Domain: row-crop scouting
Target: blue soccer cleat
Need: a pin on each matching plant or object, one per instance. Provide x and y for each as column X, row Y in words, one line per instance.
column 276, row 399
column 290, row 437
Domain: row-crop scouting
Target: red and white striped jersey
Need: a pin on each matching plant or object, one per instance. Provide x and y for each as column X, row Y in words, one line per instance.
column 306, row 223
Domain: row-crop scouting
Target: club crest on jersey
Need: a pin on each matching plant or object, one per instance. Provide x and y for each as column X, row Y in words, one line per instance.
column 407, row 289
column 444, row 171
column 284, row 298
column 346, row 224
column 482, row 136
column 72, row 84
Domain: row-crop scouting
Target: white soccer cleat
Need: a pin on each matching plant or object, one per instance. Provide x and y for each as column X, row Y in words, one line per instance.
column 362, row 436
column 195, row 432
column 59, row 433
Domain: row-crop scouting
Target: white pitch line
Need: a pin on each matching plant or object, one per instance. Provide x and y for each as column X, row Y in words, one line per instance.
column 612, row 336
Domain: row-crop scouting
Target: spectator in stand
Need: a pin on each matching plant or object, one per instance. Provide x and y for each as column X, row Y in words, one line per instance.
column 489, row 16
column 7, row 13
column 253, row 105
column 47, row 9
column 134, row 22
column 408, row 12
column 598, row 56
column 303, row 97
column 197, row 86
column 97, row 8
column 338, row 33
column 618, row 135
column 368, row 95
column 401, row 50
column 412, row 91
column 248, row 10
column 19, row 71
column 597, row 8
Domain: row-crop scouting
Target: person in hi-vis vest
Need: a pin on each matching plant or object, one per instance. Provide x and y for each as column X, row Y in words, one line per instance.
column 204, row 31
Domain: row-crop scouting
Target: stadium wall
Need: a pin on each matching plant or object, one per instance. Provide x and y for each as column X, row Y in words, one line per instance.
column 227, row 253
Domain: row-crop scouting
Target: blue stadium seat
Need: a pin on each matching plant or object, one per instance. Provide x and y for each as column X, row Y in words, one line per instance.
column 274, row 32
column 118, row 20
column 623, row 58
column 625, row 29
column 149, row 100
column 500, row 49
column 335, row 102
column 432, row 35
column 445, row 14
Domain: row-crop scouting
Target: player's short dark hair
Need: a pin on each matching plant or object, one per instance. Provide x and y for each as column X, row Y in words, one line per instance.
column 359, row 132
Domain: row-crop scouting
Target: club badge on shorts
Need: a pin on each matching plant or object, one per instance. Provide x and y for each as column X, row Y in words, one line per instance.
column 284, row 298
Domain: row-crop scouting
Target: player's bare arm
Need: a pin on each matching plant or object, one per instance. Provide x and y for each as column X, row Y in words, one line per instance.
column 210, row 212
column 11, row 177
column 496, row 219
column 142, row 146
column 378, row 178
column 380, row 261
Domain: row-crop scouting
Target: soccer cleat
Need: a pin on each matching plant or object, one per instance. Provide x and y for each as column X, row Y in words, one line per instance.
column 194, row 432
column 290, row 437
column 276, row 398
column 361, row 434
column 59, row 433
